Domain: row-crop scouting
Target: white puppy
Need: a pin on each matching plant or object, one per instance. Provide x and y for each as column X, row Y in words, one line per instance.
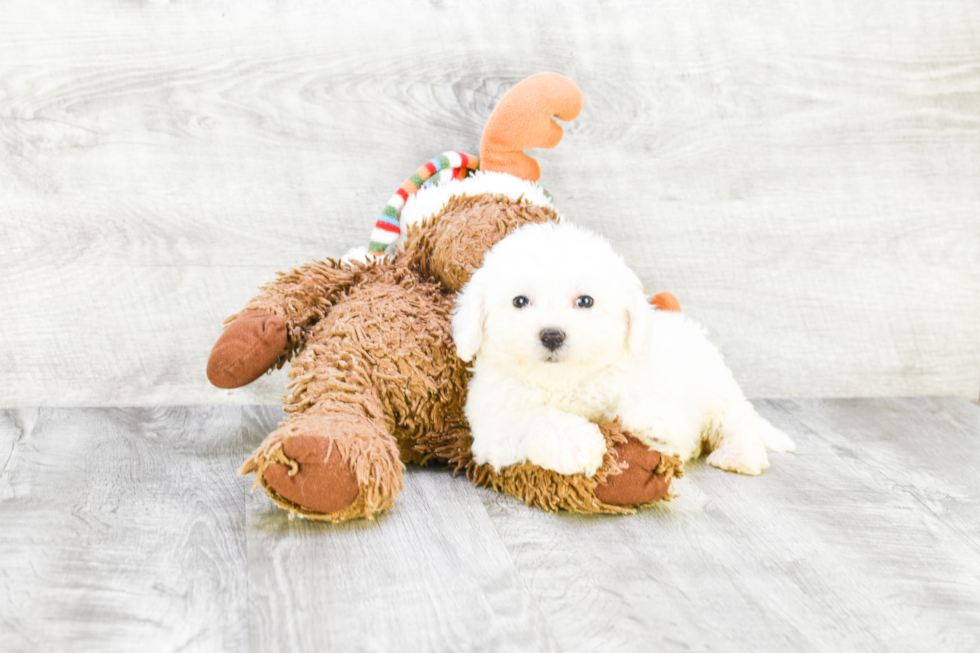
column 563, row 337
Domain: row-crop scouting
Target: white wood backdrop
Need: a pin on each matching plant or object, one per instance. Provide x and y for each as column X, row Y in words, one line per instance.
column 804, row 176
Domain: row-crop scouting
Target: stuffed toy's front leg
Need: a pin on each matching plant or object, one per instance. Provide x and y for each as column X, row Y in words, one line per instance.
column 272, row 327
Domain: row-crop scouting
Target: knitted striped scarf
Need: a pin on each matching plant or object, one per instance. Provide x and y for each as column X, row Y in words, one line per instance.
column 446, row 166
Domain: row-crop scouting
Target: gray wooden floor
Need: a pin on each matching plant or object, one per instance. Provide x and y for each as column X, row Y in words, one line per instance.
column 127, row 529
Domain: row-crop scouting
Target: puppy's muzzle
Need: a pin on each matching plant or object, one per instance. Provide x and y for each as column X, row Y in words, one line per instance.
column 552, row 338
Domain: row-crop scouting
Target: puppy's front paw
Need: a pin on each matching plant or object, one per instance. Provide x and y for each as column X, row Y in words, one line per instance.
column 741, row 459
column 575, row 449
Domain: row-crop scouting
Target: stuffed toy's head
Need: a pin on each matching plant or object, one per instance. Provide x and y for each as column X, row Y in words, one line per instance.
column 451, row 218
column 450, row 228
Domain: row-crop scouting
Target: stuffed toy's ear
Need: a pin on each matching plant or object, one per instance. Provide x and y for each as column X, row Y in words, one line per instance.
column 523, row 119
column 638, row 323
column 468, row 317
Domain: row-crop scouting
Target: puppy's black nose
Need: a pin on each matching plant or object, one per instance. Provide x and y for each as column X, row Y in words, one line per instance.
column 552, row 338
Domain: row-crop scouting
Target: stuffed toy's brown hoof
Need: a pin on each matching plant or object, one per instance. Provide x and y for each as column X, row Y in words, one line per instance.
column 642, row 479
column 250, row 345
column 329, row 467
column 317, row 478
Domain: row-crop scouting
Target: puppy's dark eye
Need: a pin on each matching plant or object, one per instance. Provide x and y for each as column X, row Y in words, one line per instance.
column 521, row 301
column 584, row 302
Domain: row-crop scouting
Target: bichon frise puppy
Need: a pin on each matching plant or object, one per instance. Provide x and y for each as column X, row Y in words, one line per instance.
column 563, row 338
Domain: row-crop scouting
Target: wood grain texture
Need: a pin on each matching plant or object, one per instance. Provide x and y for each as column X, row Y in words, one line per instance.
column 127, row 529
column 802, row 177
column 122, row 530
column 943, row 476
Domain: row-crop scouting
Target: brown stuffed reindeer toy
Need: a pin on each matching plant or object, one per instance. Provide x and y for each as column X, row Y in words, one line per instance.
column 376, row 382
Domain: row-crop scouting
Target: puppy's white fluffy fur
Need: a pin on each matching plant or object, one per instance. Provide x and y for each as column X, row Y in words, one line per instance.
column 654, row 370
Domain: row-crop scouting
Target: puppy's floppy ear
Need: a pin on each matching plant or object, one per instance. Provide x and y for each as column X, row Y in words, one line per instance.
column 637, row 321
column 468, row 317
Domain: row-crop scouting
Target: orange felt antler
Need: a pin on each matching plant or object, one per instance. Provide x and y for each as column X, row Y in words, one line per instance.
column 665, row 301
column 523, row 119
